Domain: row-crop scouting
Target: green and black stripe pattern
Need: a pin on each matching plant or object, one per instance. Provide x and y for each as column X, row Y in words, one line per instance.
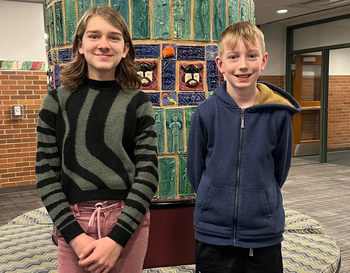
column 97, row 143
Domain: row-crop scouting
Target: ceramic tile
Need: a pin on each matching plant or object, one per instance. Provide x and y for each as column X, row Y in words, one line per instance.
column 56, row 75
column 182, row 19
column 211, row 52
column 233, row 11
column 185, row 188
column 252, row 12
column 212, row 75
column 167, row 178
column 188, row 116
column 52, row 32
column 36, row 66
column 174, row 130
column 123, row 7
column 189, row 53
column 140, row 19
column 155, row 98
column 145, row 51
column 49, row 57
column 59, row 24
column 243, row 10
column 168, row 75
column 202, row 20
column 190, row 98
column 169, row 51
column 148, row 71
column 159, row 121
column 169, row 98
column 219, row 18
column 161, row 19
column 65, row 55
column 83, row 5
column 191, row 77
column 96, row 3
column 70, row 20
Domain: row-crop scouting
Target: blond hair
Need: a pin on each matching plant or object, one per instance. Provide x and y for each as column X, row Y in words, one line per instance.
column 244, row 31
column 77, row 70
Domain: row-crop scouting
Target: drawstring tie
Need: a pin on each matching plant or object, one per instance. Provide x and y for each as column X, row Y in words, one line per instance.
column 98, row 207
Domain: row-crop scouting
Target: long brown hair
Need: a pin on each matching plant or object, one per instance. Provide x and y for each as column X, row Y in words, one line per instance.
column 77, row 70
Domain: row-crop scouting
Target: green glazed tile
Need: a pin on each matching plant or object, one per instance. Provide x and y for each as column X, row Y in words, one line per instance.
column 21, row 65
column 188, row 116
column 123, row 7
column 243, row 10
column 70, row 20
column 175, row 130
column 161, row 19
column 140, row 19
column 233, row 11
column 219, row 18
column 97, row 3
column 202, row 20
column 7, row 65
column 47, row 27
column 52, row 31
column 159, row 118
column 185, row 188
column 182, row 19
column 83, row 5
column 167, row 178
column 252, row 12
column 59, row 24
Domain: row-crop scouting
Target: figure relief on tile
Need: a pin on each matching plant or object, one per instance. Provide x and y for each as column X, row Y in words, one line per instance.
column 159, row 122
column 219, row 23
column 175, row 130
column 59, row 24
column 185, row 188
column 179, row 17
column 167, row 177
column 148, row 74
column 188, row 117
column 191, row 77
column 140, row 22
column 202, row 20
column 161, row 19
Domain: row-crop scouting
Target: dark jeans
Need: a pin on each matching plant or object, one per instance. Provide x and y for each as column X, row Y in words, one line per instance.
column 230, row 259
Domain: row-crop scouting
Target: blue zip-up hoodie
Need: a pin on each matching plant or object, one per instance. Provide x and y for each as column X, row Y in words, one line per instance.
column 237, row 161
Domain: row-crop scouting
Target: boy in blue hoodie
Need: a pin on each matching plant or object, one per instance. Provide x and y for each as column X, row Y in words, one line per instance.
column 239, row 155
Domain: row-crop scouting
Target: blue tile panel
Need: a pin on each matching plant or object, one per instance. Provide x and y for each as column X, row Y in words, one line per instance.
column 190, row 53
column 155, row 98
column 211, row 52
column 65, row 55
column 212, row 75
column 168, row 75
column 147, row 51
column 190, row 98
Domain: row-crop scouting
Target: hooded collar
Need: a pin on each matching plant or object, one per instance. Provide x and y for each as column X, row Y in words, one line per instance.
column 270, row 96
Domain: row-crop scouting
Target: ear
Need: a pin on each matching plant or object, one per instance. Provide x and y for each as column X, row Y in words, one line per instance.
column 219, row 64
column 126, row 50
column 264, row 61
column 80, row 47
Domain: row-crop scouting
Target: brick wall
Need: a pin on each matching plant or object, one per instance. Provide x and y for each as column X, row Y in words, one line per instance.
column 276, row 80
column 339, row 112
column 18, row 137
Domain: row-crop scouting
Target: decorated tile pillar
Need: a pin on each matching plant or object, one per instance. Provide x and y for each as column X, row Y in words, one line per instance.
column 175, row 43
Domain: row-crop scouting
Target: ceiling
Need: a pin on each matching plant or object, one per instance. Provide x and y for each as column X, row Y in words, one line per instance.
column 299, row 11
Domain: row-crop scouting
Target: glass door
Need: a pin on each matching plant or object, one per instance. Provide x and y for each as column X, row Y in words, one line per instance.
column 307, row 91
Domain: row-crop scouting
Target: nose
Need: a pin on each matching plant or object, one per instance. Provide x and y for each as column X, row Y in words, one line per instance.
column 103, row 43
column 243, row 64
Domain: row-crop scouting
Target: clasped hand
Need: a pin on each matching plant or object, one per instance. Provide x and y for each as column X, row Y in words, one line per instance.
column 96, row 256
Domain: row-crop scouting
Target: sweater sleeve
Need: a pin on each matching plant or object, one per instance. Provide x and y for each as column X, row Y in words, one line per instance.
column 146, row 176
column 48, row 169
column 283, row 151
column 196, row 151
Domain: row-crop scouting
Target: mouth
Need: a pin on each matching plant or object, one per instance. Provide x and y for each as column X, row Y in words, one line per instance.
column 243, row 76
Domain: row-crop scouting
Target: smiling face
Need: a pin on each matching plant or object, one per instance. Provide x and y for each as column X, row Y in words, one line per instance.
column 103, row 47
column 242, row 66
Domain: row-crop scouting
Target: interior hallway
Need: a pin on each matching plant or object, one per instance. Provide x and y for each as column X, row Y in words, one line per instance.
column 321, row 191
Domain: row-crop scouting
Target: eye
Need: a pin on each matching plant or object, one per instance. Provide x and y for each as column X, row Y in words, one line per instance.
column 233, row 57
column 253, row 56
column 116, row 38
column 93, row 37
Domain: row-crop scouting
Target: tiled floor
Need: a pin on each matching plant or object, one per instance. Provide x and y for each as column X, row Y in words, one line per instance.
column 321, row 191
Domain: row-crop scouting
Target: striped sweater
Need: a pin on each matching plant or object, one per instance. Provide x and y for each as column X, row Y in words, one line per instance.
column 97, row 143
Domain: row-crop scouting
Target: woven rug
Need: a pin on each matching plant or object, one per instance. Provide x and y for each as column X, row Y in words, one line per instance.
column 26, row 247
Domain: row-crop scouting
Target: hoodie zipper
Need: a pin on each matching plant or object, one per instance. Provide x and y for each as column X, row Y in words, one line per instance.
column 238, row 174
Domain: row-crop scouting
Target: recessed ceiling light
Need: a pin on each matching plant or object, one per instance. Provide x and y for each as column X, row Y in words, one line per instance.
column 282, row 11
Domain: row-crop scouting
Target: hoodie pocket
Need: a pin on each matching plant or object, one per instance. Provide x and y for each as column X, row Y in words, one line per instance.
column 254, row 216
column 216, row 212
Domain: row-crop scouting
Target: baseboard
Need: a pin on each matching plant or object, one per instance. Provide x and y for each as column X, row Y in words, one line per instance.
column 18, row 189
